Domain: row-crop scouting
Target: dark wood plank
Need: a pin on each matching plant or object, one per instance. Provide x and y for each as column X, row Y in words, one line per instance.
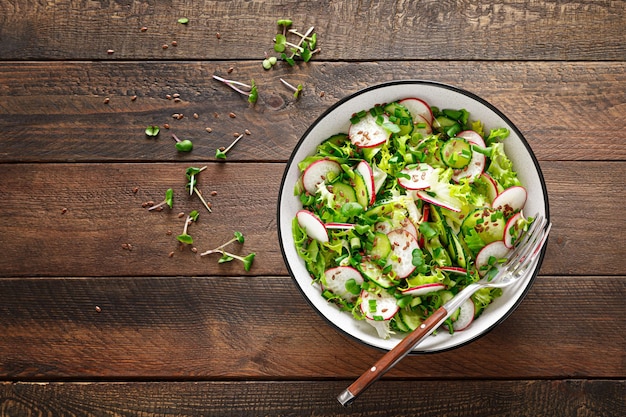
column 571, row 397
column 104, row 215
column 429, row 29
column 261, row 327
column 56, row 111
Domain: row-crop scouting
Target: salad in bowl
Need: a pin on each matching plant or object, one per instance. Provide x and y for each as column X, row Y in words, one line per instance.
column 396, row 199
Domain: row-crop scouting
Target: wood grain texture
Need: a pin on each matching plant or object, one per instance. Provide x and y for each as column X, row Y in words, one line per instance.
column 428, row 29
column 103, row 215
column 55, row 112
column 261, row 327
column 571, row 397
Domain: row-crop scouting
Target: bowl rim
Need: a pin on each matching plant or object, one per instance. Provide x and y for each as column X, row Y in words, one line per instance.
column 436, row 84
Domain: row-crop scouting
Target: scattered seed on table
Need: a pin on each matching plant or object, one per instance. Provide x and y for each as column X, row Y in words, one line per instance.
column 180, row 116
column 110, row 51
column 174, row 43
column 135, row 189
column 222, row 148
column 168, row 233
column 144, row 29
column 181, row 215
column 236, row 134
column 216, row 115
column 177, row 100
column 247, row 132
column 165, row 46
column 322, row 94
column 133, row 98
column 168, row 96
column 213, row 193
column 218, row 35
column 166, row 126
column 195, row 116
column 194, row 250
column 171, row 254
column 106, row 100
column 98, row 309
column 230, row 69
column 175, row 95
column 64, row 210
column 232, row 115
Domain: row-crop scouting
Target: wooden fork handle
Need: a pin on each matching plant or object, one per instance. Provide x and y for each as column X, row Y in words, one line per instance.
column 392, row 357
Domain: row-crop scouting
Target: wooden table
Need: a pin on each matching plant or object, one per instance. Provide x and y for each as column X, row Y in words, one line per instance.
column 101, row 313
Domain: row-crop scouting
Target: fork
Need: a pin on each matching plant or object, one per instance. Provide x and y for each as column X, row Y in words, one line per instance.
column 519, row 260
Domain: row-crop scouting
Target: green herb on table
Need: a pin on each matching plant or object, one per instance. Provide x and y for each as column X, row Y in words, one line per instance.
column 168, row 201
column 220, row 153
column 152, row 131
column 183, row 20
column 227, row 256
column 296, row 90
column 182, row 145
column 185, row 237
column 247, row 90
column 192, row 173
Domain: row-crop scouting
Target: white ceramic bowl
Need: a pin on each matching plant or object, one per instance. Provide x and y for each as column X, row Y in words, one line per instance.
column 337, row 120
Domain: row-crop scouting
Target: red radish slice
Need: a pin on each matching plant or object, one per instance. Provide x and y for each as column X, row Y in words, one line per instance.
column 312, row 225
column 420, row 177
column 495, row 249
column 474, row 169
column 335, row 280
column 437, row 201
column 425, row 212
column 421, row 126
column 317, row 173
column 454, row 270
column 472, row 137
column 418, row 107
column 423, row 289
column 402, row 246
column 367, row 173
column 492, row 186
column 466, row 316
column 367, row 133
column 408, row 225
column 339, row 226
column 382, row 305
column 512, row 230
column 379, row 179
column 510, row 200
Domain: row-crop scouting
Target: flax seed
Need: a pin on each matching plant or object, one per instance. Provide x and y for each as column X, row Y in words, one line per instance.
column 168, row 96
column 174, row 43
column 144, row 29
column 135, row 189
column 133, row 98
column 176, row 95
column 213, row 193
column 107, row 100
column 247, row 132
column 166, row 126
column 165, row 46
column 64, row 210
column 194, row 250
column 232, row 115
column 181, row 215
column 218, row 35
column 177, row 100
column 171, row 254
column 208, row 129
column 195, row 116
column 98, row 309
column 230, row 69
column 110, row 51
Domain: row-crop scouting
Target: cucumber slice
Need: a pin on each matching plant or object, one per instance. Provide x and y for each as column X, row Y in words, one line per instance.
column 456, row 250
column 362, row 196
column 343, row 194
column 382, row 246
column 456, row 153
column 374, row 273
column 410, row 318
column 401, row 116
column 489, row 224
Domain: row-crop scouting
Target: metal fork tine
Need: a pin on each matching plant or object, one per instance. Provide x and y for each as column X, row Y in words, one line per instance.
column 531, row 249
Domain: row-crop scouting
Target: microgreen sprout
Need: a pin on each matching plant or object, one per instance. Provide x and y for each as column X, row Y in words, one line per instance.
column 296, row 90
column 311, row 40
column 183, row 145
column 269, row 61
column 221, row 153
column 152, row 131
column 183, row 20
column 185, row 237
column 168, row 201
column 303, row 52
column 191, row 174
column 227, row 257
column 247, row 90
